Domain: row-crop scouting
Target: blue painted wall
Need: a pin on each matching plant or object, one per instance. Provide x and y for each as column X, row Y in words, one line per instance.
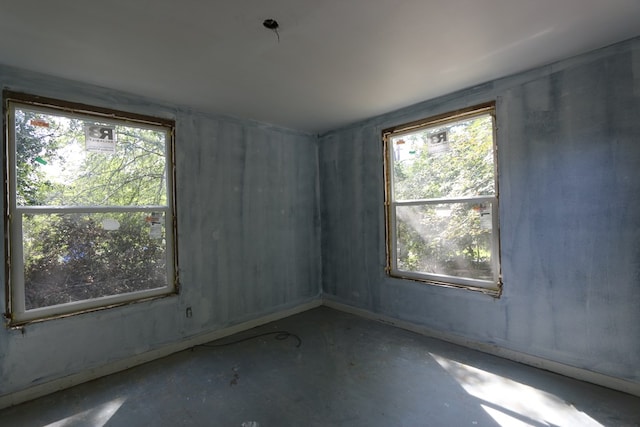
column 269, row 217
column 248, row 240
column 569, row 159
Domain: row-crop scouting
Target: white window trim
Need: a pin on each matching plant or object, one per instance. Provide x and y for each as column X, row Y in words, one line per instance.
column 491, row 287
column 16, row 313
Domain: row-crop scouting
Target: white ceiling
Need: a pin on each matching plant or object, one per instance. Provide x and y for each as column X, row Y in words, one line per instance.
column 337, row 61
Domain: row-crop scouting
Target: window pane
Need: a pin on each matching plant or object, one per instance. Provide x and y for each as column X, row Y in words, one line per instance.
column 74, row 257
column 82, row 162
column 453, row 239
column 446, row 161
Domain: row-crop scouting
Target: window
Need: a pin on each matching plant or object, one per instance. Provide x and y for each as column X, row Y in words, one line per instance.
column 89, row 196
column 442, row 200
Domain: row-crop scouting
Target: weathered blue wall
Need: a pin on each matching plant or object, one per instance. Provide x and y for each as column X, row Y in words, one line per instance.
column 248, row 240
column 569, row 159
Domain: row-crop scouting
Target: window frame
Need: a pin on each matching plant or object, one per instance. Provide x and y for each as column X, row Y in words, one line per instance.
column 491, row 287
column 15, row 312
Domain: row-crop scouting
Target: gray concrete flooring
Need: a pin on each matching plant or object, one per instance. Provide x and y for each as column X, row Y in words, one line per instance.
column 348, row 371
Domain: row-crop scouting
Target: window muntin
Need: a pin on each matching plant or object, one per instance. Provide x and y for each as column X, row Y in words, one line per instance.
column 91, row 217
column 442, row 200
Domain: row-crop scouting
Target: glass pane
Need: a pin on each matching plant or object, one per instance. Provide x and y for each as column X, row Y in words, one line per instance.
column 453, row 239
column 447, row 161
column 74, row 257
column 64, row 160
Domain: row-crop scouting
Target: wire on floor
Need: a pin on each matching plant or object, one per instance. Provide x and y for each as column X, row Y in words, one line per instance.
column 279, row 335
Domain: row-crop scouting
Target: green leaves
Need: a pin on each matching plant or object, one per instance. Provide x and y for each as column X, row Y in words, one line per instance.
column 70, row 255
column 465, row 168
column 34, row 143
column 55, row 169
column 431, row 166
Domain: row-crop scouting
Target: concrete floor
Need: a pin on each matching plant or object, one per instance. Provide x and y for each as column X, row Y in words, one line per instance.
column 348, row 371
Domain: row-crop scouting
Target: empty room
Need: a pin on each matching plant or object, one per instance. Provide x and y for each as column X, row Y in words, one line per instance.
column 320, row 213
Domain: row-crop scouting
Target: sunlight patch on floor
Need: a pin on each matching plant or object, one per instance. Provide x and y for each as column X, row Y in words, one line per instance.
column 511, row 403
column 97, row 417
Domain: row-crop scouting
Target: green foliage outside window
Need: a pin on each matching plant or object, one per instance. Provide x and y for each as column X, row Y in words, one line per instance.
column 438, row 236
column 84, row 255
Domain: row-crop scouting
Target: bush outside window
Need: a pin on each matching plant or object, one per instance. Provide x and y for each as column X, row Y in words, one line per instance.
column 91, row 214
column 442, row 200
